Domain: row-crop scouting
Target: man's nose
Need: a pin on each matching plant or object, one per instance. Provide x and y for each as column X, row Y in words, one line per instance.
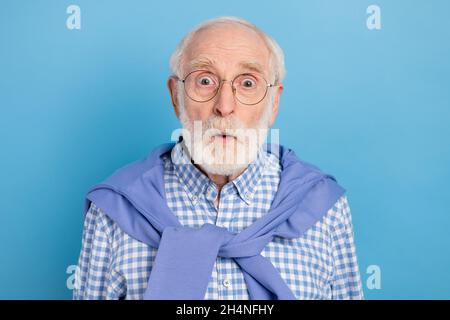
column 226, row 101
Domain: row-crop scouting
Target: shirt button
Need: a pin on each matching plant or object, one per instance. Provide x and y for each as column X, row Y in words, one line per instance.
column 194, row 198
column 226, row 283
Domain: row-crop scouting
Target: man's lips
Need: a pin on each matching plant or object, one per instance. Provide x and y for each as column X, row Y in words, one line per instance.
column 223, row 137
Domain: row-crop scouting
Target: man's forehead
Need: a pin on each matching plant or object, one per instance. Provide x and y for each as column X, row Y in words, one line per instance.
column 227, row 46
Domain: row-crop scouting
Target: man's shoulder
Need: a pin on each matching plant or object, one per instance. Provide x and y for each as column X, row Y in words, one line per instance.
column 339, row 214
column 97, row 219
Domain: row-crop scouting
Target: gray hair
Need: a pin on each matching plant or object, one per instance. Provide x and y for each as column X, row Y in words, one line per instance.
column 276, row 53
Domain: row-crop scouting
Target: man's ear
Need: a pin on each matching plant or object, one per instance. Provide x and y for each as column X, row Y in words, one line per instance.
column 276, row 102
column 172, row 86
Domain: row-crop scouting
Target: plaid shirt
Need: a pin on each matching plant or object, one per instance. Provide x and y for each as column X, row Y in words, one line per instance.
column 321, row 264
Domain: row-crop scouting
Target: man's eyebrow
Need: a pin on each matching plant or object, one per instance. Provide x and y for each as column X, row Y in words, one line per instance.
column 253, row 66
column 200, row 63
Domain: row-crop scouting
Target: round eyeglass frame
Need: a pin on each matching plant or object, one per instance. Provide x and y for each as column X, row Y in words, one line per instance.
column 268, row 85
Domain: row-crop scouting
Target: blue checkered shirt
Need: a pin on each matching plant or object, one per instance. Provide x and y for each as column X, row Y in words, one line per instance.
column 321, row 264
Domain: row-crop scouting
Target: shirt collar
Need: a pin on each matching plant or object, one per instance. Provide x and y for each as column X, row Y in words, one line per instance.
column 188, row 174
column 247, row 182
column 197, row 183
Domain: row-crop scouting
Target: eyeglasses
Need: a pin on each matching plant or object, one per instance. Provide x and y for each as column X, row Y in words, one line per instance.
column 203, row 85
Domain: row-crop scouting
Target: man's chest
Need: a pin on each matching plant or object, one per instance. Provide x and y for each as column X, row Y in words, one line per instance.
column 229, row 208
column 304, row 263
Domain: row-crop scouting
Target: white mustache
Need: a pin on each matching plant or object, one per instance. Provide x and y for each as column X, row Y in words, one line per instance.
column 220, row 126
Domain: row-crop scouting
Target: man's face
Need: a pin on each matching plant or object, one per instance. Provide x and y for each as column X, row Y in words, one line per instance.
column 230, row 131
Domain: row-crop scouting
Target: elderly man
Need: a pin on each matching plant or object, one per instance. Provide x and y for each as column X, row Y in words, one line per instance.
column 220, row 214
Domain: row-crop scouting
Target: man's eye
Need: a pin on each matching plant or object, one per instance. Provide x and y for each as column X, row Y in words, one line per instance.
column 205, row 81
column 248, row 83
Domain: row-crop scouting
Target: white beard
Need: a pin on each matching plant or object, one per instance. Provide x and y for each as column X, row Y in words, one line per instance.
column 211, row 153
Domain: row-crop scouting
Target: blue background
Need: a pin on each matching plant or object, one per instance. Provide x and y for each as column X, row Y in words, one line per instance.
column 369, row 106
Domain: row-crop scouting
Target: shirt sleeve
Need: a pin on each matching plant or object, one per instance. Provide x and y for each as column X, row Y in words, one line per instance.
column 94, row 278
column 346, row 280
